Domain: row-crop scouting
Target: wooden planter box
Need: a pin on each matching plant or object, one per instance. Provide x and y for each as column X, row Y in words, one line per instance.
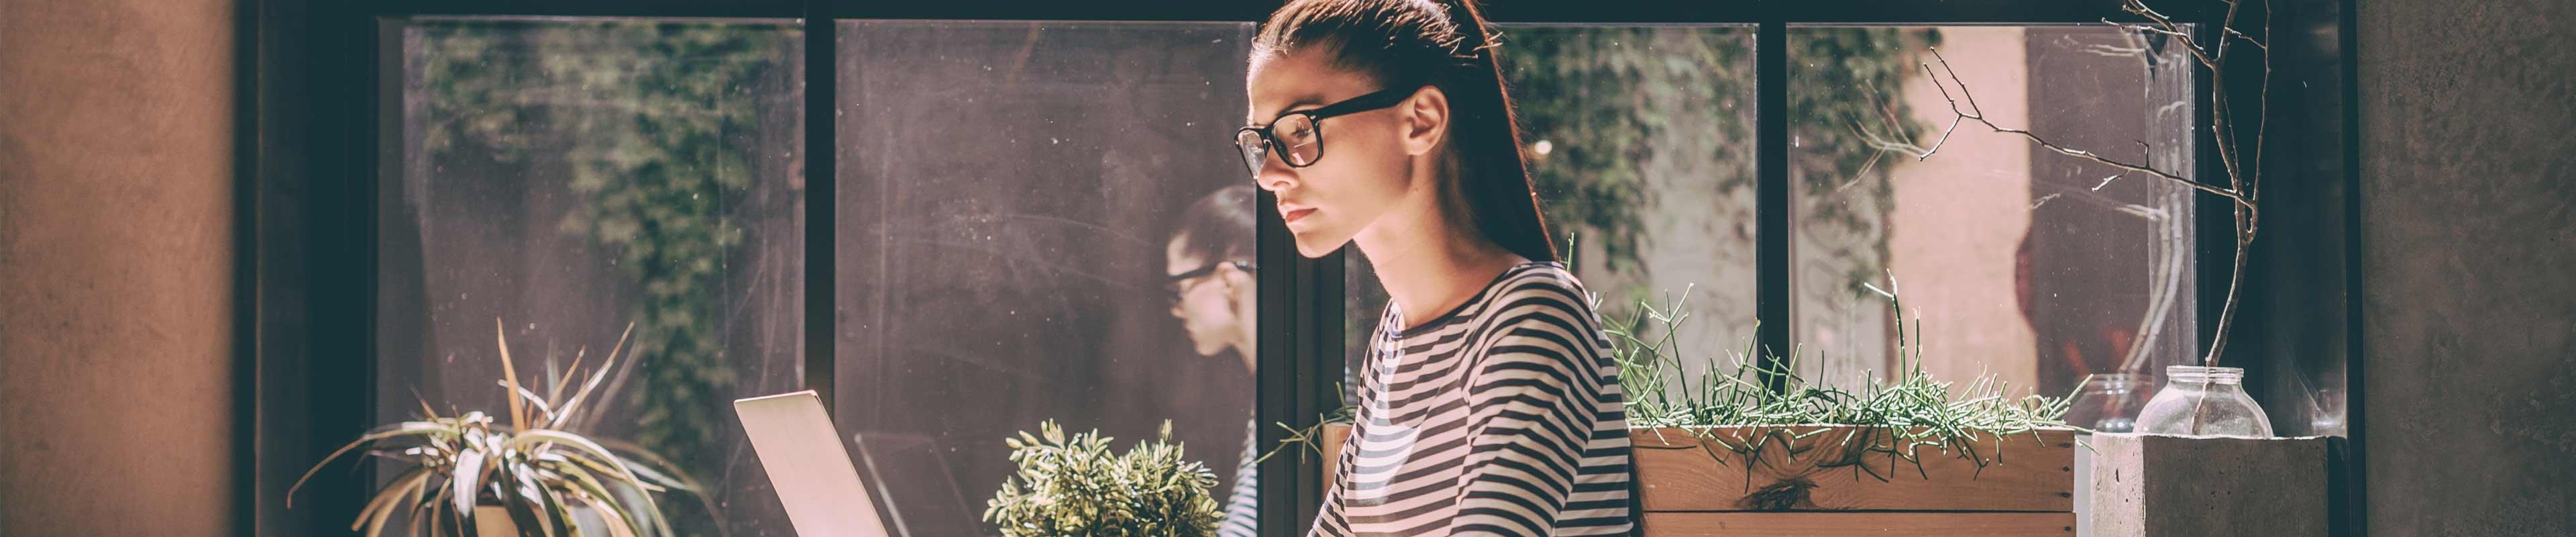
column 1692, row 486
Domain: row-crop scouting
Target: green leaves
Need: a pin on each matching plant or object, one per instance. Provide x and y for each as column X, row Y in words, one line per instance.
column 1906, row 413
column 536, row 475
column 1074, row 485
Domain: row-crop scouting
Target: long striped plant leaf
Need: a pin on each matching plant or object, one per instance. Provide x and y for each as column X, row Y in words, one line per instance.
column 408, row 428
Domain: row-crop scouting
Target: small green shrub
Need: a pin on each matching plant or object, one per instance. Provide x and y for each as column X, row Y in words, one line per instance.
column 1076, row 486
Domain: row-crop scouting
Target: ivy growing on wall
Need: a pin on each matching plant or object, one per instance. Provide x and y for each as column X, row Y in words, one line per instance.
column 647, row 120
column 1605, row 98
column 1601, row 97
column 1844, row 82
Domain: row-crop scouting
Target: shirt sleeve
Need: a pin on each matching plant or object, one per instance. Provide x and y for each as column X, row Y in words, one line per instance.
column 1529, row 419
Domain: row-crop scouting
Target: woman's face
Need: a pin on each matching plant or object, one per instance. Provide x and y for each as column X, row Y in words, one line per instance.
column 1205, row 305
column 1365, row 167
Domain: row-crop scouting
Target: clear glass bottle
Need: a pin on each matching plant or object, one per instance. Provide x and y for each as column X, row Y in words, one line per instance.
column 2109, row 402
column 2204, row 401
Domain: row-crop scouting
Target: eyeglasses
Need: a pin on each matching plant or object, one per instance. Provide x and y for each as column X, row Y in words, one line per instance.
column 1180, row 283
column 1298, row 136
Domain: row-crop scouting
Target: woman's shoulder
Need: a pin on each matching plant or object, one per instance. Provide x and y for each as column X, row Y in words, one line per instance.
column 1540, row 285
column 1539, row 278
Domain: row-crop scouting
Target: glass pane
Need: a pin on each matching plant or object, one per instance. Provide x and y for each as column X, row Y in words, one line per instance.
column 1007, row 193
column 1641, row 147
column 2034, row 266
column 568, row 178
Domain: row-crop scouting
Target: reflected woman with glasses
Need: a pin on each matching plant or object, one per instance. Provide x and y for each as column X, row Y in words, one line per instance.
column 1208, row 272
column 1489, row 404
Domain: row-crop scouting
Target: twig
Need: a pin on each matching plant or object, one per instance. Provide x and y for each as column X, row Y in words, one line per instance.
column 1979, row 117
column 2250, row 40
column 2243, row 174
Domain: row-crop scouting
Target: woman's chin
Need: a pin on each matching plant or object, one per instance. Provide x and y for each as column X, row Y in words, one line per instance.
column 1317, row 249
column 1316, row 245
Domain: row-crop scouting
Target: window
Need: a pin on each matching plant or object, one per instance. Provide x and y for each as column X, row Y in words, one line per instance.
column 2024, row 264
column 1007, row 194
column 998, row 212
column 1641, row 148
column 2018, row 262
column 567, row 178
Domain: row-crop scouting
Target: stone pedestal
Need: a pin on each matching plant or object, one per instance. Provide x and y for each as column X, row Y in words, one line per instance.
column 2154, row 485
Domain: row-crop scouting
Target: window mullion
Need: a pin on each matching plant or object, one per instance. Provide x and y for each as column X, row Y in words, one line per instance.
column 821, row 53
column 1772, row 216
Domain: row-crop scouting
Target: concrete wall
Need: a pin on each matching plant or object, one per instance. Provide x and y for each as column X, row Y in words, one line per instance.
column 2468, row 172
column 116, row 263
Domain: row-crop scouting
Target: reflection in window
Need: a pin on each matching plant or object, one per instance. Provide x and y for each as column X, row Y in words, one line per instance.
column 2032, row 266
column 1641, row 149
column 569, row 177
column 1008, row 197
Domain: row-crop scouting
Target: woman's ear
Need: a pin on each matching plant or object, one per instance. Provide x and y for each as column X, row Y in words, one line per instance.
column 1426, row 120
column 1235, row 276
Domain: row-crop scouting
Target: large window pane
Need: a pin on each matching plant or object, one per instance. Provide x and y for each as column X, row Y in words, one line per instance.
column 1006, row 194
column 1641, row 147
column 2030, row 265
column 570, row 177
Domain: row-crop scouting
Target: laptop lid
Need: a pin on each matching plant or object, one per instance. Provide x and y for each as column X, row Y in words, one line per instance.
column 807, row 465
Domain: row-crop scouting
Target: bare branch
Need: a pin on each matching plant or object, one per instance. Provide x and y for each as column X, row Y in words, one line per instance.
column 2243, row 173
column 1973, row 113
column 2166, row 25
column 2262, row 106
column 1883, row 142
column 2250, row 40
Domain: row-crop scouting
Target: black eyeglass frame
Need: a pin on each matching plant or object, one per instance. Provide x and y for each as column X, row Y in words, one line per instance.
column 1172, row 283
column 1315, row 117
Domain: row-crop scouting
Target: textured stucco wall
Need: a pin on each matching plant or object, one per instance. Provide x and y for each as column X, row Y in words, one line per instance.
column 115, row 267
column 2468, row 171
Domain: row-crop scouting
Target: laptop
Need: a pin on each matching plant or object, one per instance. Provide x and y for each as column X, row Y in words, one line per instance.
column 808, row 467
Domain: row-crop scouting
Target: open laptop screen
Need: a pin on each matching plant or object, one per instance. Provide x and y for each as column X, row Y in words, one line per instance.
column 806, row 463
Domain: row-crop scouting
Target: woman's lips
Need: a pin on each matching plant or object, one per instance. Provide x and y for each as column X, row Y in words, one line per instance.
column 1291, row 214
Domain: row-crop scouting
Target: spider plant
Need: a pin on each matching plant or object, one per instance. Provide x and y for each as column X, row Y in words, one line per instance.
column 529, row 465
column 1896, row 417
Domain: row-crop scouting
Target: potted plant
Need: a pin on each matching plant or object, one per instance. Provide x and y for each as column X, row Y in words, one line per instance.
column 1722, row 452
column 1076, row 486
column 472, row 474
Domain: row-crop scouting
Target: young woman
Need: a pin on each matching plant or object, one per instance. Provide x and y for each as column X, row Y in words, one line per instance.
column 1208, row 269
column 1490, row 405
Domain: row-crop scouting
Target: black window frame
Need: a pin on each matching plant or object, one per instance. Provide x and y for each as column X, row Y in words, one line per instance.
column 311, row 89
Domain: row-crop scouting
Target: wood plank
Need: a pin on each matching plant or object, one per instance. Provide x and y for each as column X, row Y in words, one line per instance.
column 1819, row 524
column 1677, row 472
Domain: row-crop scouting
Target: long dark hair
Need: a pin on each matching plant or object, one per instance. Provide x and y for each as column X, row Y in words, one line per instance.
column 1445, row 44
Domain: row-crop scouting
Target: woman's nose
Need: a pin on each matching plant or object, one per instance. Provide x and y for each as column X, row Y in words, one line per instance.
column 1275, row 176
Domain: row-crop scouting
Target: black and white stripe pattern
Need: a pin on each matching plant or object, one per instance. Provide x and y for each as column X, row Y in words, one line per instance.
column 1243, row 508
column 1503, row 417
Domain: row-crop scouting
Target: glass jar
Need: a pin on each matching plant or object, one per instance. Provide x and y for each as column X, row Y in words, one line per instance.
column 2108, row 402
column 2204, row 401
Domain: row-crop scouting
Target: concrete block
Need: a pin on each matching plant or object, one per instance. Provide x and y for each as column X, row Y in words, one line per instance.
column 2159, row 485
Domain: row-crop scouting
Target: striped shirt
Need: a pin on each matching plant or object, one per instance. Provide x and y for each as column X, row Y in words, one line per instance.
column 1243, row 507
column 1502, row 417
